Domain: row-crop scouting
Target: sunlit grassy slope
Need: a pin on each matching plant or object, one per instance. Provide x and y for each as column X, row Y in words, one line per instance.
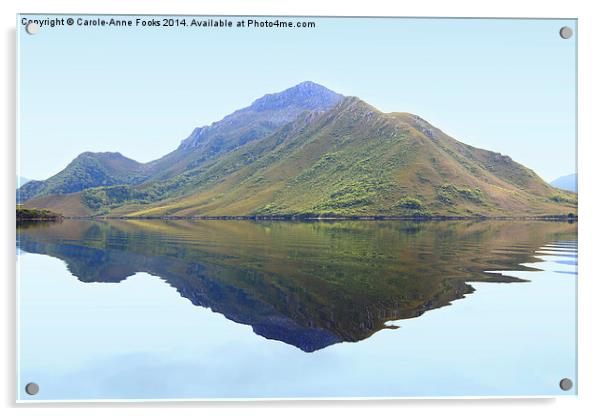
column 355, row 160
column 351, row 160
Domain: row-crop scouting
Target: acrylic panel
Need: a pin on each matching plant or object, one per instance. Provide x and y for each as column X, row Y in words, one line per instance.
column 239, row 207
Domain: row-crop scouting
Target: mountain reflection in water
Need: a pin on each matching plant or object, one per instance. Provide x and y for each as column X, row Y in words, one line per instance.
column 308, row 284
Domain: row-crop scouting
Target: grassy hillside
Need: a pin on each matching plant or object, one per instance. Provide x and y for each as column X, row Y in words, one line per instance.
column 263, row 117
column 70, row 205
column 86, row 171
column 349, row 160
column 352, row 160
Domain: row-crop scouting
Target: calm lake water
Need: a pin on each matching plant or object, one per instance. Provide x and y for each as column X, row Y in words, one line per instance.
column 252, row 309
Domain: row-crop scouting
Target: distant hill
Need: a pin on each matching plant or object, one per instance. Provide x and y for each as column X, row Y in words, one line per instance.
column 21, row 181
column 305, row 151
column 568, row 182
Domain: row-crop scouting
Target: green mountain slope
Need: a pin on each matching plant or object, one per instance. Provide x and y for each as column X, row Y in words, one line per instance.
column 88, row 170
column 263, row 117
column 349, row 160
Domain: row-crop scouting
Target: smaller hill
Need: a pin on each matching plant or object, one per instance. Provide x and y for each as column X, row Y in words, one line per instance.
column 87, row 170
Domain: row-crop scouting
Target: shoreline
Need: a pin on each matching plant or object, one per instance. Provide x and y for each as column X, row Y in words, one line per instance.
column 563, row 218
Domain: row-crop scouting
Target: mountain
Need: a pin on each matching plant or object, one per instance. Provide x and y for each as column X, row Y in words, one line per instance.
column 310, row 151
column 568, row 183
column 263, row 117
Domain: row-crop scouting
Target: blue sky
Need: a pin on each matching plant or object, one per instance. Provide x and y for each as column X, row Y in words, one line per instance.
column 502, row 85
